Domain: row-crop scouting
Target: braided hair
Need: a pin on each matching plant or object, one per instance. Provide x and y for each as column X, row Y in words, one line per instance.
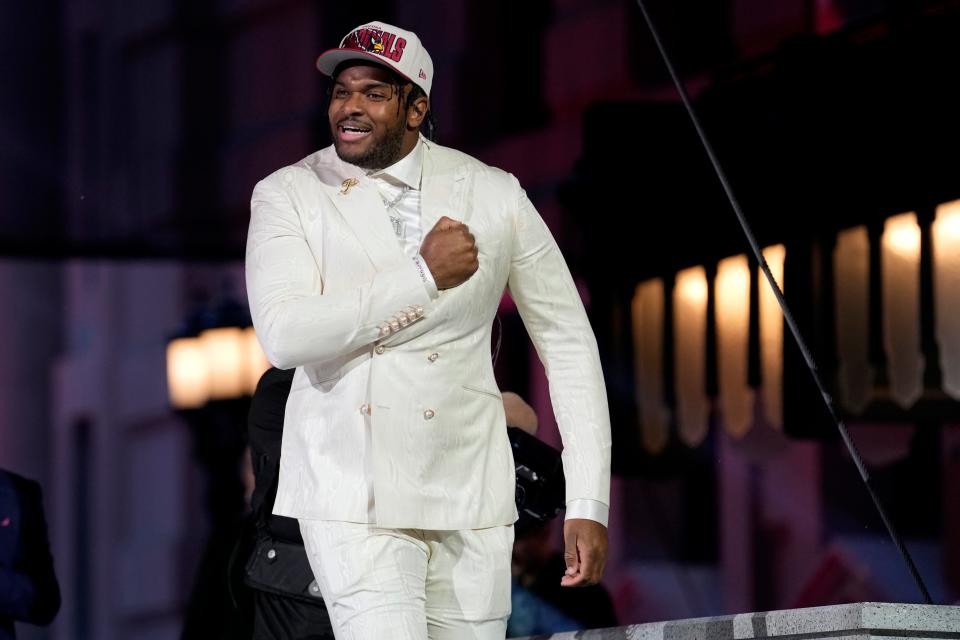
column 429, row 126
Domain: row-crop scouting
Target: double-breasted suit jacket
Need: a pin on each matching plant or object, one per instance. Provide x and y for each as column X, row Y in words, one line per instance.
column 394, row 416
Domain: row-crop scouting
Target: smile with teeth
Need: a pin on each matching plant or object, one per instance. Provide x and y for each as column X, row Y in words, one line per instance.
column 350, row 133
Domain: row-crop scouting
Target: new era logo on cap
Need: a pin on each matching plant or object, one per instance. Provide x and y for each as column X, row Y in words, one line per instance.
column 385, row 44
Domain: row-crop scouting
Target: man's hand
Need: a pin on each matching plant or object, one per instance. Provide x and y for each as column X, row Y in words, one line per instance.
column 450, row 252
column 585, row 552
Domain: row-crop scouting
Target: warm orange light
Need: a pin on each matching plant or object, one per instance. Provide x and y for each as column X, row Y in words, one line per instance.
column 733, row 280
column 188, row 376
column 946, row 292
column 775, row 256
column 647, row 312
column 771, row 336
column 946, row 226
column 690, row 354
column 901, row 307
column 851, row 294
column 732, row 287
column 901, row 233
column 226, row 350
column 692, row 285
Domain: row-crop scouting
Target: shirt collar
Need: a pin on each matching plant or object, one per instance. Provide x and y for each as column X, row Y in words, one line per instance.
column 407, row 170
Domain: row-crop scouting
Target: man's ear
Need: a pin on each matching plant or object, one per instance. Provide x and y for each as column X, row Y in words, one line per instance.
column 417, row 112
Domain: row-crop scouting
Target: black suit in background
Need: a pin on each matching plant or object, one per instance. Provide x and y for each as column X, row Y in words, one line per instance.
column 278, row 616
column 28, row 585
column 264, row 434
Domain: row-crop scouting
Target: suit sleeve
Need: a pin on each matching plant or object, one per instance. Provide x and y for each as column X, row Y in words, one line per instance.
column 543, row 289
column 296, row 322
column 29, row 591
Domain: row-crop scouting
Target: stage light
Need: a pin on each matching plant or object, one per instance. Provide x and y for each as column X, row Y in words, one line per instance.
column 648, row 317
column 215, row 356
column 851, row 277
column 690, row 354
column 771, row 338
column 732, row 295
column 188, row 374
column 225, row 350
column 900, row 246
column 946, row 283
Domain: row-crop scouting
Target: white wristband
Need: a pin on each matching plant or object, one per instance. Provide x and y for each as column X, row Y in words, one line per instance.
column 588, row 510
column 426, row 276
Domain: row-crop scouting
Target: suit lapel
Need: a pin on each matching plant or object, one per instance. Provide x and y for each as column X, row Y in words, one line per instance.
column 362, row 209
column 443, row 190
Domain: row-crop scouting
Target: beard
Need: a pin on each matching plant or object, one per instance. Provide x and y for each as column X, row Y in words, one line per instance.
column 380, row 154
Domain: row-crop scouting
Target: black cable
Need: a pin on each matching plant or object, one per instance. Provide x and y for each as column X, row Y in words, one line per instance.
column 788, row 317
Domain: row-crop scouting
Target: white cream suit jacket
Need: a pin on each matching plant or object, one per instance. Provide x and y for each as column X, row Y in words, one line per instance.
column 416, row 416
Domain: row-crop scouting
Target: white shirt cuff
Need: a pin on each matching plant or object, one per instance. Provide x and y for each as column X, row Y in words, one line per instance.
column 426, row 276
column 588, row 510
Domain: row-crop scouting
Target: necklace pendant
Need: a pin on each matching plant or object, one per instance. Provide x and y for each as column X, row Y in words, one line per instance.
column 397, row 225
column 390, row 204
column 347, row 184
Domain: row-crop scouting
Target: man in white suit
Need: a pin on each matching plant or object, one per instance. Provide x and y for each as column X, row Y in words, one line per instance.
column 375, row 267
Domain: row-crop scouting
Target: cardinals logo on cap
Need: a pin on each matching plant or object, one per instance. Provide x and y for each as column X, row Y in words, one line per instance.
column 391, row 46
column 378, row 41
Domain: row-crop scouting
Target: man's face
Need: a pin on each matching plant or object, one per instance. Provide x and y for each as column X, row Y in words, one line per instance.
column 368, row 121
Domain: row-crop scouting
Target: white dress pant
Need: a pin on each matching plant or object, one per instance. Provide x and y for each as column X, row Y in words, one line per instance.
column 411, row 584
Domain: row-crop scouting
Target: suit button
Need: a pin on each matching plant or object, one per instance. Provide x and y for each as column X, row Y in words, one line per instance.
column 365, row 409
column 272, row 554
column 380, row 349
column 428, row 414
column 433, row 357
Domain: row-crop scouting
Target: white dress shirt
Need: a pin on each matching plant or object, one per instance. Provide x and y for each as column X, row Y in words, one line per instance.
column 399, row 187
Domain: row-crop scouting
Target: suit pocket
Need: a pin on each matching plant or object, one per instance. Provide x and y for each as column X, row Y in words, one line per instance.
column 486, row 392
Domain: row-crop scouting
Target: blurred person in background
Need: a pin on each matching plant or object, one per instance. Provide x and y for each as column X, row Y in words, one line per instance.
column 539, row 604
column 286, row 601
column 29, row 591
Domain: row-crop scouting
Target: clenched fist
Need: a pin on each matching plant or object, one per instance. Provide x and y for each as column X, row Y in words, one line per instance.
column 450, row 252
